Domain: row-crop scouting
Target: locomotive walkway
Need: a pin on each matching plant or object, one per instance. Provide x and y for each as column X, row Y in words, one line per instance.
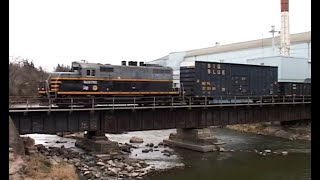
column 116, row 115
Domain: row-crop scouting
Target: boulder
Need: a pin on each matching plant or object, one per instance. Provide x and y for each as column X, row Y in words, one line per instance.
column 136, row 140
column 271, row 130
column 28, row 141
column 145, row 150
column 134, row 174
column 129, row 168
column 284, row 134
column 100, row 164
column 113, row 171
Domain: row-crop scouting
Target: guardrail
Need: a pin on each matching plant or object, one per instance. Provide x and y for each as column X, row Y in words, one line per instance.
column 29, row 103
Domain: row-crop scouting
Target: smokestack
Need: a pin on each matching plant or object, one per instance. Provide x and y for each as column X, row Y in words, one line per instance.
column 284, row 33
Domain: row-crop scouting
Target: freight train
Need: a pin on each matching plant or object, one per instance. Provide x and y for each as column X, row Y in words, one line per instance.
column 198, row 80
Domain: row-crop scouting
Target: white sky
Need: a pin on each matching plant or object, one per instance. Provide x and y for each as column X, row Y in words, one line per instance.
column 109, row 31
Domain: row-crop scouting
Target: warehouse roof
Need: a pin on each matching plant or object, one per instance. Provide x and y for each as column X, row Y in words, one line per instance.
column 294, row 39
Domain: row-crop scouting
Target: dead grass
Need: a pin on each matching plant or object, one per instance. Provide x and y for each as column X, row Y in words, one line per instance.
column 257, row 127
column 38, row 167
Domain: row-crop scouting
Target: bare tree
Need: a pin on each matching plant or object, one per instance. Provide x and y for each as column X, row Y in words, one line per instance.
column 24, row 77
column 62, row 68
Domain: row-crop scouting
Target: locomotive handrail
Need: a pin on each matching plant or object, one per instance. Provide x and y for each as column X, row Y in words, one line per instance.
column 28, row 103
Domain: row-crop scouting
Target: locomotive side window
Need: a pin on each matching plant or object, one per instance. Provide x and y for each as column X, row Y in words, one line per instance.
column 91, row 72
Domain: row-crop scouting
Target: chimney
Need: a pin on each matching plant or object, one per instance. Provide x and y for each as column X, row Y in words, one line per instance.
column 284, row 33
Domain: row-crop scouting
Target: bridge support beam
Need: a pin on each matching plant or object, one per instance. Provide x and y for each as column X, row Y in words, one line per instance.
column 202, row 140
column 97, row 142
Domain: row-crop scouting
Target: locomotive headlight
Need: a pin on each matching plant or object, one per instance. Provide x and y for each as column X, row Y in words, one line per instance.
column 42, row 88
column 38, row 89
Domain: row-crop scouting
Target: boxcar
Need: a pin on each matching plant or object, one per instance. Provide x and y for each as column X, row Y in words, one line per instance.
column 225, row 79
column 294, row 88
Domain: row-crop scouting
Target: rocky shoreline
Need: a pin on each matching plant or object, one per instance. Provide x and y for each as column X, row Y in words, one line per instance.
column 115, row 165
column 286, row 132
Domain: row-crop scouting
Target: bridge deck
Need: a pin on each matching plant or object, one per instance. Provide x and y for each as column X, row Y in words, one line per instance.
column 116, row 119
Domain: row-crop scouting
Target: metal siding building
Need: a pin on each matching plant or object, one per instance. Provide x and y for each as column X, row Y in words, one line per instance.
column 290, row 69
column 240, row 53
column 172, row 60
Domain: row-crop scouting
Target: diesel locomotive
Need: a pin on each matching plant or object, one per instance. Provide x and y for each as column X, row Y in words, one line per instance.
column 105, row 80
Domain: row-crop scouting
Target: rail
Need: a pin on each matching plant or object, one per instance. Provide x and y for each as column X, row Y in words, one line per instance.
column 22, row 104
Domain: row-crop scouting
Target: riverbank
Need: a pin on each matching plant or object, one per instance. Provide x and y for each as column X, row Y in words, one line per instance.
column 296, row 132
column 35, row 165
column 52, row 154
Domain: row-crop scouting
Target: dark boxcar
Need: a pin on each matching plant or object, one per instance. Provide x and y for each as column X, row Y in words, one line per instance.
column 293, row 88
column 223, row 79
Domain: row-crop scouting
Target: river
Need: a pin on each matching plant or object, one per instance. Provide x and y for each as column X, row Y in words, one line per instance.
column 218, row 165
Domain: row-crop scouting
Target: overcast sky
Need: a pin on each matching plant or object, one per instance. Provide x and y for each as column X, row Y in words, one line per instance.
column 109, row 31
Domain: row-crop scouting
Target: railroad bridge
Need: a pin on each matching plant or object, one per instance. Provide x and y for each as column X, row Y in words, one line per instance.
column 191, row 114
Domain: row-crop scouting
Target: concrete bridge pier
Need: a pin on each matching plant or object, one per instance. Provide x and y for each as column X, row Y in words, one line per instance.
column 96, row 142
column 202, row 140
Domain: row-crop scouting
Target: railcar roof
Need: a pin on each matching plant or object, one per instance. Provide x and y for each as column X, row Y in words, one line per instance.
column 97, row 65
column 237, row 64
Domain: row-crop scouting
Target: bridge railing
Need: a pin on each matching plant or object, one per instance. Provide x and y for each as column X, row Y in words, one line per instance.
column 151, row 101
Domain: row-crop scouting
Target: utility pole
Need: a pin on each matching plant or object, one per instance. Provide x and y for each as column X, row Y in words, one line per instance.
column 272, row 32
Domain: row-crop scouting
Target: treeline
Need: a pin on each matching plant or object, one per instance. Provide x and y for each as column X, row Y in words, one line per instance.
column 25, row 78
column 62, row 68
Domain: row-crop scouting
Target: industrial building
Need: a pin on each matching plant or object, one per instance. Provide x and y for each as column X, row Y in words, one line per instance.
column 297, row 65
